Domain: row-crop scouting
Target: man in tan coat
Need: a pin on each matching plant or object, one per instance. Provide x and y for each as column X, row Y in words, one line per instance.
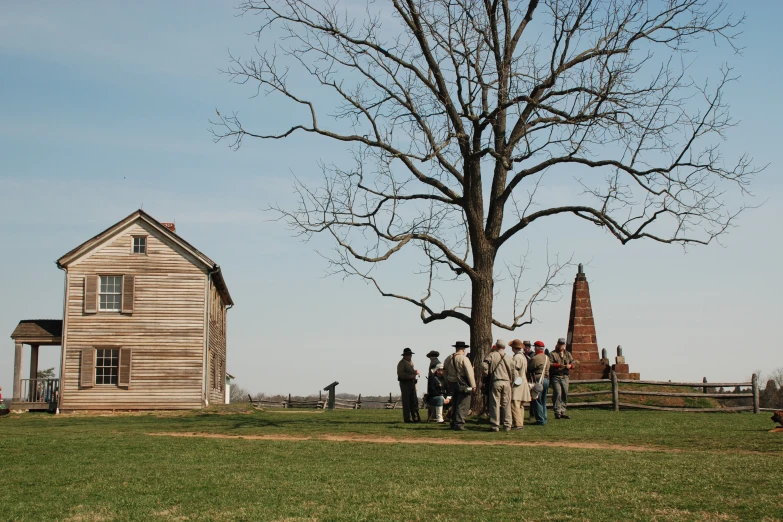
column 407, row 376
column 462, row 369
column 498, row 369
column 520, row 391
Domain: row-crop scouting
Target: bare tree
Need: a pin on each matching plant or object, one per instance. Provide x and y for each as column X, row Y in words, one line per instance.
column 775, row 376
column 456, row 110
column 238, row 394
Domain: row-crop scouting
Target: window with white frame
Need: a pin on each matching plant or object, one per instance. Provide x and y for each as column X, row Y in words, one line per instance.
column 139, row 244
column 107, row 365
column 110, row 295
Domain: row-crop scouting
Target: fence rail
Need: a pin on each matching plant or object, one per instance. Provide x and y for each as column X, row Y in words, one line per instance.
column 614, row 391
column 39, row 390
column 321, row 403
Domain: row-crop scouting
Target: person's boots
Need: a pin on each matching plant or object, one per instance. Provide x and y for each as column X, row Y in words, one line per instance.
column 439, row 413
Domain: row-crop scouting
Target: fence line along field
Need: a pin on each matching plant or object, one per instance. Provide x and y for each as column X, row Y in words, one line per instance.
column 649, row 395
column 239, row 463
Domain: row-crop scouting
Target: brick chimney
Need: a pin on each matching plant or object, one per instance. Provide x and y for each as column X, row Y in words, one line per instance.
column 582, row 341
column 170, row 226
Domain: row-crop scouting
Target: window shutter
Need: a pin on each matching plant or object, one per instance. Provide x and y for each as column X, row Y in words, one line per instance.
column 90, row 294
column 88, row 368
column 125, row 368
column 128, row 289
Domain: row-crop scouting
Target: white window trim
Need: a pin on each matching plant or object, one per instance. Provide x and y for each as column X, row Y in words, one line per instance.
column 119, row 302
column 95, row 367
column 133, row 244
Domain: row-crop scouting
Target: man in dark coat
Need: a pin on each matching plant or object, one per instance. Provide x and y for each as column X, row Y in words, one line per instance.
column 436, row 392
column 407, row 375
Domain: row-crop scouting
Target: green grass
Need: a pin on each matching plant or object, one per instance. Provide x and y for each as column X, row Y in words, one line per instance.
column 725, row 467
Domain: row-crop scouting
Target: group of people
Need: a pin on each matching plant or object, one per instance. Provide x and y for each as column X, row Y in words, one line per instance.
column 510, row 380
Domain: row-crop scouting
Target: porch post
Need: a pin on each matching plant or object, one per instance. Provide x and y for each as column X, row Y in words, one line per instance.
column 17, row 395
column 33, row 372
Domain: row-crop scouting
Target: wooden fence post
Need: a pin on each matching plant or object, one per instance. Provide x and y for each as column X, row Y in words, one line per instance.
column 289, row 401
column 755, row 384
column 615, row 392
column 704, row 380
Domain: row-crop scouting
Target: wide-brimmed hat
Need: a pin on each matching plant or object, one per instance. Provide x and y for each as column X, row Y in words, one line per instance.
column 407, row 351
column 500, row 343
column 516, row 344
column 527, row 343
column 433, row 353
column 460, row 344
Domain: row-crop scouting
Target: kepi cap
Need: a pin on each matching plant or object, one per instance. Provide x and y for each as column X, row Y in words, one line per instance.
column 561, row 340
column 539, row 344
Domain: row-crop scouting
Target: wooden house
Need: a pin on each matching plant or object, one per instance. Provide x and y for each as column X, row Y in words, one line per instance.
column 144, row 325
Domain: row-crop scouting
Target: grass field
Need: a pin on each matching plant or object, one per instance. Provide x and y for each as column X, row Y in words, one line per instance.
column 353, row 465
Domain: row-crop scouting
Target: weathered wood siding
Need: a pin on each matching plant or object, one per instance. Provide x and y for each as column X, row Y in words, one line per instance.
column 217, row 347
column 165, row 330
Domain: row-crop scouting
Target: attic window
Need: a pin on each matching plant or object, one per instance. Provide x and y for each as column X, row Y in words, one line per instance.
column 139, row 244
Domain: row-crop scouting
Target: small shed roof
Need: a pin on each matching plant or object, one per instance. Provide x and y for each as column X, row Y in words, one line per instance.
column 42, row 331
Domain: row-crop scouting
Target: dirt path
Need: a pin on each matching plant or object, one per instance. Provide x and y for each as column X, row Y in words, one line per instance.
column 379, row 439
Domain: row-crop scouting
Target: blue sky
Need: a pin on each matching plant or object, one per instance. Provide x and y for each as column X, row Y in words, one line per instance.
column 105, row 107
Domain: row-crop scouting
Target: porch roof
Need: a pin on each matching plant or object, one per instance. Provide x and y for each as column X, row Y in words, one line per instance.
column 39, row 331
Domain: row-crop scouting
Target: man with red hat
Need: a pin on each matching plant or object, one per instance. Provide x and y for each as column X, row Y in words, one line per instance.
column 538, row 371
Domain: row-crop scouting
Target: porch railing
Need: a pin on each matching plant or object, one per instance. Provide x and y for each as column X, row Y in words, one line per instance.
column 40, row 390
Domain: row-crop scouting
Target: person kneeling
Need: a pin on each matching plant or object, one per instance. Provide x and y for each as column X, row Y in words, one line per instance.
column 436, row 391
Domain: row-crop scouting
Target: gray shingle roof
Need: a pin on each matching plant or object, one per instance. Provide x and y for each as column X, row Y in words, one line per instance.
column 38, row 328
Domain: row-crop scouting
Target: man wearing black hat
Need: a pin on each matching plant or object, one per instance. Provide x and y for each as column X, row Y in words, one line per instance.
column 462, row 371
column 561, row 363
column 407, row 376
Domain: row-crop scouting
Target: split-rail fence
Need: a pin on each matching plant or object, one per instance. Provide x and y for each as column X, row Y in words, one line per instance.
column 617, row 390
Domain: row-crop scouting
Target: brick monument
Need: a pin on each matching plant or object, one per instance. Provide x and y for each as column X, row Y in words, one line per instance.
column 582, row 342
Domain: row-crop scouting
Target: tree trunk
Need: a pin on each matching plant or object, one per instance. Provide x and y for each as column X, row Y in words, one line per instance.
column 481, row 329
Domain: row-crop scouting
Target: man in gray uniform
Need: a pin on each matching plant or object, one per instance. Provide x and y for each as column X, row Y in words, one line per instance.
column 465, row 383
column 407, row 376
column 538, row 371
column 561, row 363
column 500, row 371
